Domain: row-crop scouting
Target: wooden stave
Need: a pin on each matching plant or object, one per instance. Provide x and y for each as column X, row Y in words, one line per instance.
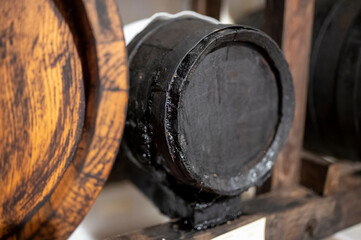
column 64, row 208
column 175, row 173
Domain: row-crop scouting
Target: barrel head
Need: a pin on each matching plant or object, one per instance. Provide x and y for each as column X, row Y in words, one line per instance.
column 228, row 112
column 41, row 103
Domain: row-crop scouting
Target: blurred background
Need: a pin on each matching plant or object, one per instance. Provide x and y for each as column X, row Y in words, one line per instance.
column 231, row 10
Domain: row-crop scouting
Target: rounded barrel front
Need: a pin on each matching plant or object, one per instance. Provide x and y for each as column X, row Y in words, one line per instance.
column 210, row 105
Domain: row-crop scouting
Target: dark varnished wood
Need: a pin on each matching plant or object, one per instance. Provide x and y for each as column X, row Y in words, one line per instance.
column 63, row 101
column 219, row 146
column 326, row 175
column 210, row 109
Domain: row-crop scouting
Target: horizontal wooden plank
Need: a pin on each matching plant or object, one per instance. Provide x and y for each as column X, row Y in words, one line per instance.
column 326, row 175
column 294, row 213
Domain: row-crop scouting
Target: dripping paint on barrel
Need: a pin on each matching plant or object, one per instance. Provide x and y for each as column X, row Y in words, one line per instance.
column 210, row 105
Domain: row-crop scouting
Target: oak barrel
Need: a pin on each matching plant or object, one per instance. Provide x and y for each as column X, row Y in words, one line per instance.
column 210, row 105
column 334, row 95
column 63, row 98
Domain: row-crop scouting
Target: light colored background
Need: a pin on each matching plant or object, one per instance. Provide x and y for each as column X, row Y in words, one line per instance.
column 133, row 10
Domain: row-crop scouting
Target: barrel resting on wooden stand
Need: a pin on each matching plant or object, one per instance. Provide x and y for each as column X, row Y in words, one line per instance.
column 210, row 107
column 327, row 175
column 289, row 213
column 313, row 210
column 328, row 198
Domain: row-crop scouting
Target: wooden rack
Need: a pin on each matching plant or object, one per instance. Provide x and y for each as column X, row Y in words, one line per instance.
column 309, row 197
column 290, row 213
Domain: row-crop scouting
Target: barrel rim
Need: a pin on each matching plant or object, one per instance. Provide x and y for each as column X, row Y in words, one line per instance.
column 257, row 171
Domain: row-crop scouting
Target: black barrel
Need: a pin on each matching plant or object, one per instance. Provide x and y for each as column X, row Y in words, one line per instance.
column 210, row 105
column 334, row 96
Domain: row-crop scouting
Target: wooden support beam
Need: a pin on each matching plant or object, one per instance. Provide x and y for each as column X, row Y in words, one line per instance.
column 294, row 213
column 210, row 8
column 326, row 175
column 290, row 22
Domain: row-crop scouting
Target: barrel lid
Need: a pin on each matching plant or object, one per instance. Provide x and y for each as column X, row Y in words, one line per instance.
column 233, row 98
column 62, row 101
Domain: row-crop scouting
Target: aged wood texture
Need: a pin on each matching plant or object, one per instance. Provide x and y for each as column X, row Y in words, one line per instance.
column 326, row 175
column 210, row 8
column 42, row 106
column 289, row 22
column 63, row 101
column 293, row 213
column 210, row 109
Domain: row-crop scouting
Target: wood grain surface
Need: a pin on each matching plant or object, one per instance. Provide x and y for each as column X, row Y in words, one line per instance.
column 63, row 100
column 36, row 146
column 291, row 214
column 289, row 22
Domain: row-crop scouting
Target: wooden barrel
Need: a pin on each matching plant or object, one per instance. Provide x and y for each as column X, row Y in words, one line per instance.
column 63, row 97
column 333, row 124
column 210, row 105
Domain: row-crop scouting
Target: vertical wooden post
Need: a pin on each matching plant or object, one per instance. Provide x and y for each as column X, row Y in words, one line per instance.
column 210, row 8
column 290, row 22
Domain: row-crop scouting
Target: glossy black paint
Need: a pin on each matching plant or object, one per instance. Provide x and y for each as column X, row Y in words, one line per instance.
column 210, row 108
